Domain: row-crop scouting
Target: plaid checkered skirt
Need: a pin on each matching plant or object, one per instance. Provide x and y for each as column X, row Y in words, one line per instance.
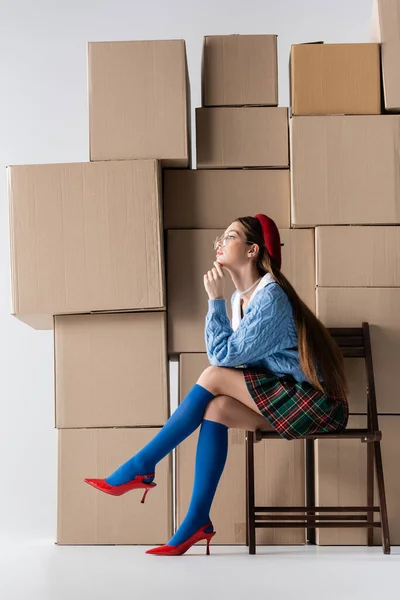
column 295, row 409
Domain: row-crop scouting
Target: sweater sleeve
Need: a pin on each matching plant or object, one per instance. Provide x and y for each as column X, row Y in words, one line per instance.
column 259, row 334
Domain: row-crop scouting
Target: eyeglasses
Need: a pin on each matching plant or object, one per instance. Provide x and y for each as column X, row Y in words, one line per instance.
column 224, row 238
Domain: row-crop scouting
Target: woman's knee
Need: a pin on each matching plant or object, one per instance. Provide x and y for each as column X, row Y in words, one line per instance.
column 211, row 378
column 218, row 409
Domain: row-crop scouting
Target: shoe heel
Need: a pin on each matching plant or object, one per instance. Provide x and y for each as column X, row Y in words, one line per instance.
column 208, row 538
column 146, row 491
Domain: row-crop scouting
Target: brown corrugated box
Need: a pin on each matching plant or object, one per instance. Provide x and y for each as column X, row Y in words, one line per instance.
column 335, row 79
column 385, row 28
column 345, row 170
column 341, row 479
column 139, row 101
column 242, row 137
column 348, row 307
column 111, row 370
column 87, row 516
column 191, row 254
column 85, row 237
column 371, row 255
column 204, row 199
column 240, row 70
column 279, row 475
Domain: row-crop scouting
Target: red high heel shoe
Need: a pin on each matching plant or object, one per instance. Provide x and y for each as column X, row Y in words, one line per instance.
column 119, row 490
column 180, row 549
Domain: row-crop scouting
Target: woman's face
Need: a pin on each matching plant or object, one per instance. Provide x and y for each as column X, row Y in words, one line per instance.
column 232, row 248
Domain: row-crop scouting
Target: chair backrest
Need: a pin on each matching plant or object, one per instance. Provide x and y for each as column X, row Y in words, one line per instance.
column 355, row 342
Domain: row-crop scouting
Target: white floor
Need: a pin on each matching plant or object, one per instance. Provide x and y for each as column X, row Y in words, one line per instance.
column 38, row 569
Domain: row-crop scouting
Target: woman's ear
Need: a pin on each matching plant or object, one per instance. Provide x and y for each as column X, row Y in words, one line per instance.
column 253, row 250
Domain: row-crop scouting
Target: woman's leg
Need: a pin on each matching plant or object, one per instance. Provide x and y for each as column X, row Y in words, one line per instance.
column 235, row 415
column 211, row 453
column 185, row 419
column 212, row 448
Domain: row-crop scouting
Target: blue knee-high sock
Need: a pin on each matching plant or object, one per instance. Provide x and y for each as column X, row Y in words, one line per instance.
column 212, row 450
column 184, row 420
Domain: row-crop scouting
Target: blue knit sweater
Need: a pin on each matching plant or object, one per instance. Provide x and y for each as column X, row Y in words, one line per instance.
column 266, row 336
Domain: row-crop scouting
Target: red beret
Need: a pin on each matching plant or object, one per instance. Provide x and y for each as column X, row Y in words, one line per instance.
column 272, row 238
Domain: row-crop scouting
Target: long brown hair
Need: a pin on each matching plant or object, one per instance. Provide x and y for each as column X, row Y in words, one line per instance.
column 315, row 344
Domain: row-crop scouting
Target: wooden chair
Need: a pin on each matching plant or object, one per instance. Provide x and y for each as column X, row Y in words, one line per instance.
column 354, row 342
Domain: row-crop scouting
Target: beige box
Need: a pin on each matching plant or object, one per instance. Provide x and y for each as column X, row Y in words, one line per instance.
column 242, row 137
column 371, row 256
column 385, row 29
column 335, row 79
column 139, row 101
column 341, row 480
column 85, row 237
column 87, row 516
column 345, row 170
column 385, row 20
column 239, row 70
column 279, row 475
column 111, row 370
column 390, row 52
column 348, row 307
column 191, row 254
column 205, row 199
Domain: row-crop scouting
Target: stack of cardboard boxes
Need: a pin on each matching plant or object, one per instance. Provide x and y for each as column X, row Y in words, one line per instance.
column 87, row 254
column 242, row 169
column 344, row 173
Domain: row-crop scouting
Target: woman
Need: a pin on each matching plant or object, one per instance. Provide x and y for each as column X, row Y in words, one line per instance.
column 276, row 368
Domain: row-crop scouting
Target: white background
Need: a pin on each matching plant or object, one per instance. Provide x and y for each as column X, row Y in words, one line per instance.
column 44, row 119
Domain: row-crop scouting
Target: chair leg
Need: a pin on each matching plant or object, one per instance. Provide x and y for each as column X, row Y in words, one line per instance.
column 310, row 487
column 247, row 500
column 370, row 491
column 250, row 517
column 382, row 498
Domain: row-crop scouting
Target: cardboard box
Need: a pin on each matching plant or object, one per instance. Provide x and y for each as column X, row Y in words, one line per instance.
column 242, row 137
column 371, row 256
column 139, row 101
column 191, row 254
column 203, row 199
column 390, row 52
column 335, row 79
column 85, row 237
column 111, row 370
column 385, row 29
column 87, row 516
column 344, row 170
column 385, row 20
column 279, row 475
column 239, row 70
column 380, row 307
column 341, row 479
